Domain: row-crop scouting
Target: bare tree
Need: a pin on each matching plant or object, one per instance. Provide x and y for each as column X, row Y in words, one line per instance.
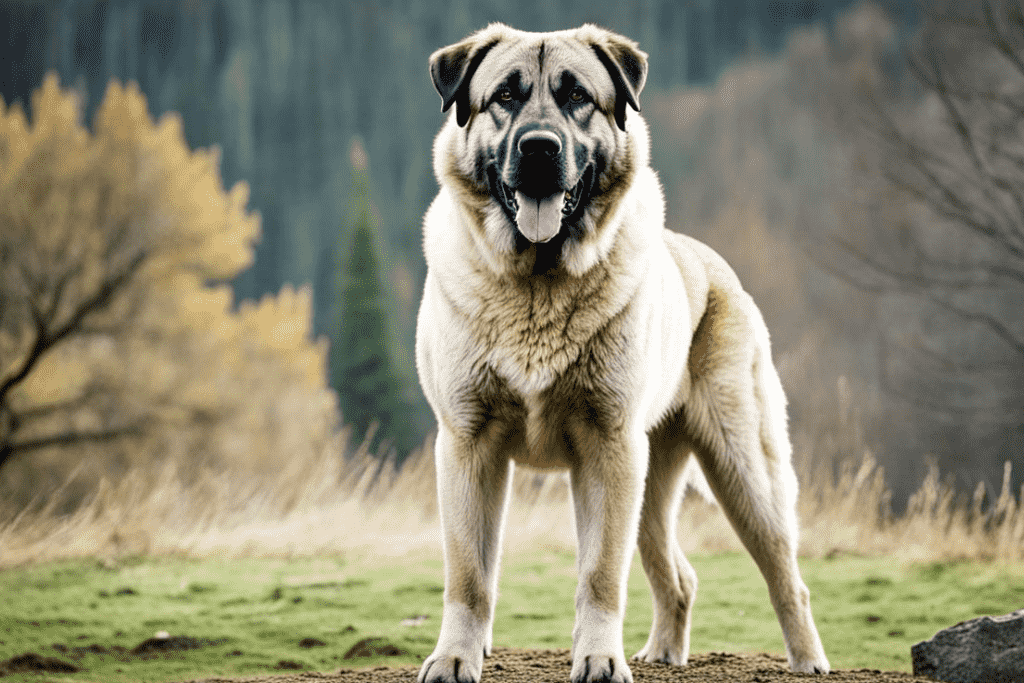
column 945, row 219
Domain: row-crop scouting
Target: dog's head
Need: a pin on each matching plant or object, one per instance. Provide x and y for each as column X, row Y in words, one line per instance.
column 541, row 141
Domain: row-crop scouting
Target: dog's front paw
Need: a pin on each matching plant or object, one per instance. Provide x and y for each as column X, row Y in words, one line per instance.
column 442, row 668
column 600, row 668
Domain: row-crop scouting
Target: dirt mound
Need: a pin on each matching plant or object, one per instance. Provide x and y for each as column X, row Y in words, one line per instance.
column 30, row 661
column 289, row 664
column 373, row 647
column 552, row 666
column 152, row 646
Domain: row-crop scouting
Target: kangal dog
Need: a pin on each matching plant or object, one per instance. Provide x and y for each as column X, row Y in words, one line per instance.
column 562, row 326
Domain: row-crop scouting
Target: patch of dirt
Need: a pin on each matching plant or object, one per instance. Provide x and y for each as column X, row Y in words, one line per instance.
column 374, row 647
column 289, row 664
column 93, row 649
column 30, row 661
column 552, row 666
column 147, row 649
column 154, row 646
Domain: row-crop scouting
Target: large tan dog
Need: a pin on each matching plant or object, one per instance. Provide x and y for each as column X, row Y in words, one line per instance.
column 563, row 326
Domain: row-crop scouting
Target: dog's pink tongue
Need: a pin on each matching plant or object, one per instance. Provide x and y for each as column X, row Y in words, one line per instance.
column 539, row 219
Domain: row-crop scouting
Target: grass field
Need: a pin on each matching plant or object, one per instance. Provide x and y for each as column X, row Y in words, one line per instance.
column 256, row 615
column 245, row 574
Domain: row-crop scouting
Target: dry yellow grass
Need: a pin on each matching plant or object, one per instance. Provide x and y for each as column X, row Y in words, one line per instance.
column 359, row 502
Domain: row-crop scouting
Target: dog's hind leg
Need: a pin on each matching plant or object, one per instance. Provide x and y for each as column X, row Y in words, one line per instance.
column 673, row 580
column 473, row 490
column 737, row 414
column 738, row 411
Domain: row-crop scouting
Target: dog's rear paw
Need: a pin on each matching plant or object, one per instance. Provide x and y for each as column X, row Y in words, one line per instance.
column 661, row 655
column 601, row 669
column 449, row 669
column 818, row 665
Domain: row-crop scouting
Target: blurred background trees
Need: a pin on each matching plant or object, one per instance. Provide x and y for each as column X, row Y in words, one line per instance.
column 119, row 340
column 941, row 236
column 767, row 141
column 283, row 87
column 361, row 358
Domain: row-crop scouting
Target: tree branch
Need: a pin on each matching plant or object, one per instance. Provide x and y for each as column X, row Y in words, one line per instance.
column 939, row 86
column 988, row 320
column 999, row 41
column 47, row 339
column 922, row 285
column 42, row 411
column 949, row 204
column 979, row 276
column 9, row 450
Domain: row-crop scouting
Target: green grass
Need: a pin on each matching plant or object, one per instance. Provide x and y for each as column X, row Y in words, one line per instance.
column 253, row 613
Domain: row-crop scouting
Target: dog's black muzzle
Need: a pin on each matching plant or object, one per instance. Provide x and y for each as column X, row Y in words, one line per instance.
column 538, row 170
column 538, row 167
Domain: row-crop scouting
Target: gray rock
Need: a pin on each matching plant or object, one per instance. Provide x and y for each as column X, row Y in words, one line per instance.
column 983, row 650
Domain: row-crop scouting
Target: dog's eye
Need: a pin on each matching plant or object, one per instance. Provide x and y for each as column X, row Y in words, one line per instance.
column 503, row 95
column 578, row 95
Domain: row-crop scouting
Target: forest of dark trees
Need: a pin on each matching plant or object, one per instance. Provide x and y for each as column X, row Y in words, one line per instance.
column 779, row 133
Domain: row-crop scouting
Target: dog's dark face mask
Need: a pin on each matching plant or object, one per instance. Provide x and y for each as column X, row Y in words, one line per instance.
column 541, row 118
column 544, row 165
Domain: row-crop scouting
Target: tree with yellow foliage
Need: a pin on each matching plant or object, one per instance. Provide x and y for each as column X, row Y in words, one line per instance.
column 118, row 336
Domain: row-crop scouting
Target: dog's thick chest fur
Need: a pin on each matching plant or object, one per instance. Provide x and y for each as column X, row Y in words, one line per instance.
column 532, row 330
column 545, row 380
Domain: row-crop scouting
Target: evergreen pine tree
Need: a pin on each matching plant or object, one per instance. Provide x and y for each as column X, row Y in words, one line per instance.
column 362, row 370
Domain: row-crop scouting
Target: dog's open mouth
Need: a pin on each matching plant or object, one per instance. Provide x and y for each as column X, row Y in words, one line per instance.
column 539, row 219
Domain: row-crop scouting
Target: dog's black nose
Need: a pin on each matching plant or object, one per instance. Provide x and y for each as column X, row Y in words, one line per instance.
column 540, row 142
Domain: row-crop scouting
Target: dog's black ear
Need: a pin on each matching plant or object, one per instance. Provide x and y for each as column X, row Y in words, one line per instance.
column 627, row 65
column 452, row 67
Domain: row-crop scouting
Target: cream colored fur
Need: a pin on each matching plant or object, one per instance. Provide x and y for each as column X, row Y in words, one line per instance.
column 637, row 350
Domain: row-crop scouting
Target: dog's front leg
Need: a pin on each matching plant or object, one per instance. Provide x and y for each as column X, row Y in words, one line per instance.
column 607, row 488
column 472, row 486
